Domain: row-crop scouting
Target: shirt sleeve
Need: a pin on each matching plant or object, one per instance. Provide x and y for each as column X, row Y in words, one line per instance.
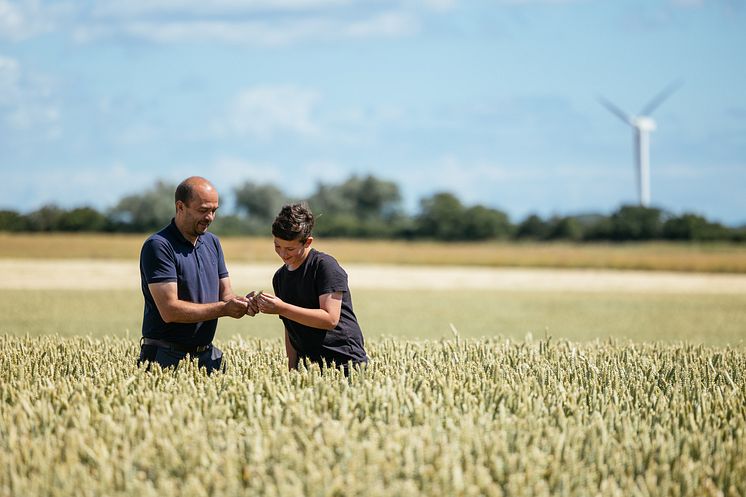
column 330, row 277
column 222, row 268
column 157, row 262
column 276, row 290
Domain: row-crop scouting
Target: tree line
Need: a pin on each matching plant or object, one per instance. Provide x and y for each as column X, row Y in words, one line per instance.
column 369, row 207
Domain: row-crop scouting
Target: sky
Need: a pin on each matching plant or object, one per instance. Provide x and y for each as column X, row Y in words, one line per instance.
column 495, row 101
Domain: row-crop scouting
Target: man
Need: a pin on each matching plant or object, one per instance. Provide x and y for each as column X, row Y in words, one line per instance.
column 185, row 283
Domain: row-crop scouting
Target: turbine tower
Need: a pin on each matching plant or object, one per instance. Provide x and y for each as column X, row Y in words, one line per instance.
column 642, row 125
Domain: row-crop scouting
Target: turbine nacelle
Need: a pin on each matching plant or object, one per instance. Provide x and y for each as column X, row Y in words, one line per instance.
column 643, row 123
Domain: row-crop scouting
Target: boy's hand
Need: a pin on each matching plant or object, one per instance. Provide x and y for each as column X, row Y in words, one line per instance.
column 269, row 304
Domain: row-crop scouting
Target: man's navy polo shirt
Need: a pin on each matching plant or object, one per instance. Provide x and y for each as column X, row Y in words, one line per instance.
column 197, row 271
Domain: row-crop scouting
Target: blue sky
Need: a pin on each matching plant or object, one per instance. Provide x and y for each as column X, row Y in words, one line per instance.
column 495, row 101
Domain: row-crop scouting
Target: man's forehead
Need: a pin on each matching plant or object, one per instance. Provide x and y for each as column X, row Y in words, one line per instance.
column 201, row 203
column 202, row 196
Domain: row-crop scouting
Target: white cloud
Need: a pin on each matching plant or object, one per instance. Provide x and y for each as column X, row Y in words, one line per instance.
column 262, row 112
column 26, row 101
column 260, row 32
column 12, row 21
column 10, row 74
column 140, row 8
column 25, row 19
column 248, row 22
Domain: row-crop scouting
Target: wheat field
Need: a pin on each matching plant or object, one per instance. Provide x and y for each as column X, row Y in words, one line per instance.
column 649, row 256
column 488, row 410
column 451, row 417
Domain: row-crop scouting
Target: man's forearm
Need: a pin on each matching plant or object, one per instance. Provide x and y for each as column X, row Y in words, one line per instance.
column 189, row 312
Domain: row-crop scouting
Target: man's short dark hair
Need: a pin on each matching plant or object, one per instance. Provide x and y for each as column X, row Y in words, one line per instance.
column 184, row 191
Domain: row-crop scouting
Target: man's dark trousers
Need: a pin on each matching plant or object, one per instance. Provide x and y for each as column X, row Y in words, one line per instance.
column 210, row 359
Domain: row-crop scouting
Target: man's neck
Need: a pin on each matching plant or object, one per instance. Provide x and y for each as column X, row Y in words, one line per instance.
column 190, row 238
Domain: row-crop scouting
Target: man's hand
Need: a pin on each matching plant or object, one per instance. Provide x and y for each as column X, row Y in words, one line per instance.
column 235, row 307
column 252, row 308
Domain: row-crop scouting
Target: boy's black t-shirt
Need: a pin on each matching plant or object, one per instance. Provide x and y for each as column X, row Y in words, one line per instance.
column 320, row 274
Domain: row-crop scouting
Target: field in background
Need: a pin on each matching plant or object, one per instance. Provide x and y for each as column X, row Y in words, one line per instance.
column 450, row 417
column 706, row 319
column 714, row 314
column 722, row 258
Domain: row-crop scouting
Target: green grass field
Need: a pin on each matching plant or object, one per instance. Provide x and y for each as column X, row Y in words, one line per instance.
column 705, row 319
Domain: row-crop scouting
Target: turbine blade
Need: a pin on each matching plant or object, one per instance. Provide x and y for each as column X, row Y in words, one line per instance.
column 616, row 110
column 661, row 97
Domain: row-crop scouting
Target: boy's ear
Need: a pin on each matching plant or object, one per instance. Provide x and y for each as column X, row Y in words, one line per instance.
column 309, row 241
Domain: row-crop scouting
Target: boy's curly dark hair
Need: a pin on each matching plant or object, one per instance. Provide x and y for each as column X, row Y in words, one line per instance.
column 294, row 222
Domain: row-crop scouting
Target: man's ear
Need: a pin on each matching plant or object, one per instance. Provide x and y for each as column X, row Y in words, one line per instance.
column 180, row 205
column 309, row 241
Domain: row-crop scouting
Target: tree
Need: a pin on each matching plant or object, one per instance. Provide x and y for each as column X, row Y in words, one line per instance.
column 565, row 228
column 82, row 219
column 693, row 227
column 366, row 198
column 233, row 224
column 46, row 218
column 373, row 198
column 441, row 217
column 483, row 223
column 12, row 221
column 636, row 223
column 600, row 229
column 147, row 211
column 360, row 207
column 329, row 200
column 260, row 202
column 532, row 227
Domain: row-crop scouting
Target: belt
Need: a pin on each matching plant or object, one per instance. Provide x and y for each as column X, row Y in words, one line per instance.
column 190, row 349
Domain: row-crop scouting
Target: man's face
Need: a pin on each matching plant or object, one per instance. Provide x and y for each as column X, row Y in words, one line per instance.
column 197, row 215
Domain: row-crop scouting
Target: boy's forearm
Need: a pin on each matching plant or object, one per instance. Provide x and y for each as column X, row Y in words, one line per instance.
column 314, row 318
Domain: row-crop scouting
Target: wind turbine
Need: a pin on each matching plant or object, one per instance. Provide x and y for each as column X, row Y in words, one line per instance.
column 642, row 125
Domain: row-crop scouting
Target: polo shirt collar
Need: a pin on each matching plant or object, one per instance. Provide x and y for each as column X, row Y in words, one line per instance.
column 175, row 230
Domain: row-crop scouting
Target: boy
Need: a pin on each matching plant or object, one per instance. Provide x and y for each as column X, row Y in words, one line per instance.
column 311, row 297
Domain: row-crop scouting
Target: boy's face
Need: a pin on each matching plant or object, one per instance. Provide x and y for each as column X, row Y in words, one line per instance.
column 292, row 252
